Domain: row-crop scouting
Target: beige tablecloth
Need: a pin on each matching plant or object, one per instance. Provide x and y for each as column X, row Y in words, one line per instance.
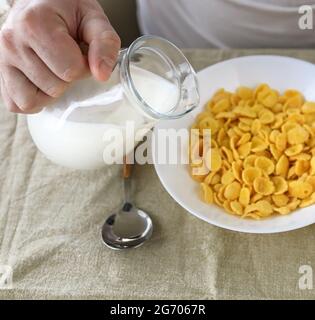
column 50, row 221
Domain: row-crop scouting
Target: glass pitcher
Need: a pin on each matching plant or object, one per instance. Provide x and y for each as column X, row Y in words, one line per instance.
column 152, row 81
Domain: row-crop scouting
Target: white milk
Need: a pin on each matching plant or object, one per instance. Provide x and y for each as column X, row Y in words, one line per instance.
column 72, row 132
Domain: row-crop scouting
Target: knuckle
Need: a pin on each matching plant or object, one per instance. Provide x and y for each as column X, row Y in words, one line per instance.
column 28, row 104
column 33, row 18
column 7, row 39
column 55, row 91
column 72, row 73
column 11, row 106
column 29, row 21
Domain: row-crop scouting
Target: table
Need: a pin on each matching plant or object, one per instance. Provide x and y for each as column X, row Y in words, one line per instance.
column 51, row 217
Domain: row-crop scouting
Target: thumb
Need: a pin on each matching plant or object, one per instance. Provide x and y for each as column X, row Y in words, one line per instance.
column 104, row 43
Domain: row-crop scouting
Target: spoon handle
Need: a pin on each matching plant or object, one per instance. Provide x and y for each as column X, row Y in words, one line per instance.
column 127, row 169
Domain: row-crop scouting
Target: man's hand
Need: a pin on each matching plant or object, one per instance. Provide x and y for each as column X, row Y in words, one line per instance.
column 40, row 51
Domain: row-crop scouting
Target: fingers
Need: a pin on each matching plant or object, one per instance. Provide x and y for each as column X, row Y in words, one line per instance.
column 11, row 105
column 38, row 59
column 46, row 31
column 59, row 52
column 19, row 92
column 104, row 43
column 39, row 53
column 40, row 75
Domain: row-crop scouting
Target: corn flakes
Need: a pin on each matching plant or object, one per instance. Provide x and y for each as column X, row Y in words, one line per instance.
column 262, row 152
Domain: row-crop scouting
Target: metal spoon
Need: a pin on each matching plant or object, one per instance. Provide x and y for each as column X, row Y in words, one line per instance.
column 129, row 227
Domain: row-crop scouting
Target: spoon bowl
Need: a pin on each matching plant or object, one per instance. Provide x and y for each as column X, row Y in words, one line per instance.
column 128, row 227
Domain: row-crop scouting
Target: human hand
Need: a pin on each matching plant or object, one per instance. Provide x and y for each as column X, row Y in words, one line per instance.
column 40, row 51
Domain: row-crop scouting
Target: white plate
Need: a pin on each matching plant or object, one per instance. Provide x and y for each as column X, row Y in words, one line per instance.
column 280, row 73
